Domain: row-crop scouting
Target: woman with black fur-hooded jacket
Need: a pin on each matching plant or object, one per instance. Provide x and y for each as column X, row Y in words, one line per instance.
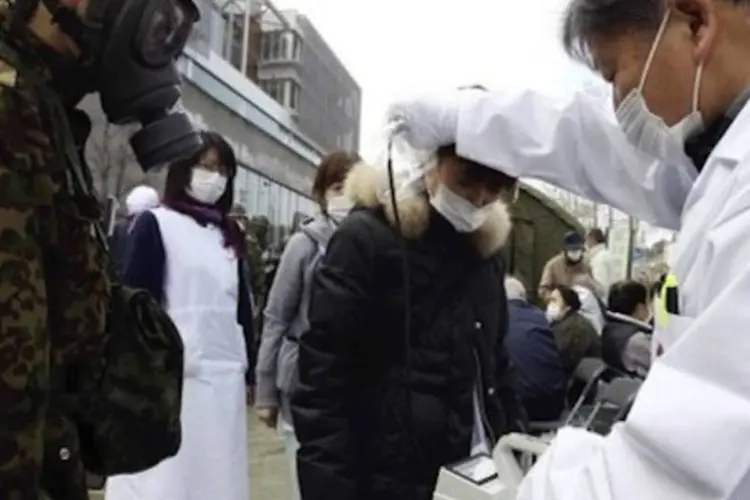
column 376, row 421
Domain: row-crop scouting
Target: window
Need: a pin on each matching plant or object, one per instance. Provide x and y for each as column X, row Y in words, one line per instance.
column 292, row 100
column 281, row 46
column 271, row 46
column 284, row 90
column 274, row 87
column 297, row 47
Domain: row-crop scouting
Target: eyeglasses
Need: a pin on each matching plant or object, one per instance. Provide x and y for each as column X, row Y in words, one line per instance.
column 211, row 167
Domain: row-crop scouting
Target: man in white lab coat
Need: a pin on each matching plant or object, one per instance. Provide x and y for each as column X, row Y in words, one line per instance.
column 600, row 260
column 678, row 158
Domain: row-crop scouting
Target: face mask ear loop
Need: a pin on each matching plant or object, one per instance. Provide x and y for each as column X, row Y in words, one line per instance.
column 652, row 52
column 697, row 87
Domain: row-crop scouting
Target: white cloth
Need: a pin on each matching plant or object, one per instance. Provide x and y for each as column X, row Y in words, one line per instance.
column 201, row 289
column 479, row 442
column 688, row 434
column 590, row 308
column 140, row 199
column 603, row 267
column 291, row 445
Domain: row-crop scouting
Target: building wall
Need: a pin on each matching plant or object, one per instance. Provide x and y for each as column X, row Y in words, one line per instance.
column 273, row 181
column 328, row 109
column 330, row 105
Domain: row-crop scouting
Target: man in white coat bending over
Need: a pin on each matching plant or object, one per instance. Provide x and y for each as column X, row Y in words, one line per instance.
column 679, row 158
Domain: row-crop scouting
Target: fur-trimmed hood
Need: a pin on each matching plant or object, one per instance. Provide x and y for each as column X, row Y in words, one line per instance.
column 364, row 184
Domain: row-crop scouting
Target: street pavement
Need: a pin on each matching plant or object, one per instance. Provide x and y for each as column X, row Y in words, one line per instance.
column 269, row 475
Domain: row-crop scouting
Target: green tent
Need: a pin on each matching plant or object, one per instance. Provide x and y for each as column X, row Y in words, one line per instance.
column 539, row 225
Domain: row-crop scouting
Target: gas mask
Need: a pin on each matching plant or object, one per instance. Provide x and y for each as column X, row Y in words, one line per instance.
column 129, row 48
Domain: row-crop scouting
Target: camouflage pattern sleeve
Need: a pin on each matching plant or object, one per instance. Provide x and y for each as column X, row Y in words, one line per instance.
column 53, row 290
column 25, row 192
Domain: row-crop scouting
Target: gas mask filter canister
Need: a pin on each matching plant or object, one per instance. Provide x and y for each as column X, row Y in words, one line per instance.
column 130, row 48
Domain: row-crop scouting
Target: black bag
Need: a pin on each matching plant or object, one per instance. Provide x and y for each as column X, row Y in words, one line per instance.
column 130, row 404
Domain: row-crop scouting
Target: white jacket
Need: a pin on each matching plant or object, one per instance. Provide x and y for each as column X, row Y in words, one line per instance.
column 602, row 267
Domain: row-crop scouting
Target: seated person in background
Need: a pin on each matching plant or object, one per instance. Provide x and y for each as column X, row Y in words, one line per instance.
column 575, row 336
column 591, row 307
column 626, row 341
column 540, row 381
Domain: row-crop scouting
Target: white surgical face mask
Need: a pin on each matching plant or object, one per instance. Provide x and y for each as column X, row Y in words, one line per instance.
column 206, row 186
column 463, row 215
column 574, row 255
column 647, row 131
column 338, row 207
column 552, row 312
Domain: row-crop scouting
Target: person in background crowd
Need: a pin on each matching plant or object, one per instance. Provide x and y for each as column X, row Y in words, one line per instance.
column 626, row 341
column 254, row 256
column 140, row 199
column 540, row 381
column 575, row 336
column 374, row 420
column 600, row 260
column 560, row 269
column 591, row 306
column 188, row 254
column 289, row 298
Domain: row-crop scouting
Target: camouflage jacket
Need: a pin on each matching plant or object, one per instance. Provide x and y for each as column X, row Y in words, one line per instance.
column 53, row 290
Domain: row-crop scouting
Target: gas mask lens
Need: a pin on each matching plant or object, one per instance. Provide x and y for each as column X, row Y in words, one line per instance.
column 164, row 33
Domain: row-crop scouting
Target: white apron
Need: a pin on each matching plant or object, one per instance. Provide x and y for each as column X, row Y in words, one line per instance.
column 201, row 290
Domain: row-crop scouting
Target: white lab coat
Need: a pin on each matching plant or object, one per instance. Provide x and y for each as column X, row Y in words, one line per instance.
column 201, row 289
column 688, row 434
column 602, row 268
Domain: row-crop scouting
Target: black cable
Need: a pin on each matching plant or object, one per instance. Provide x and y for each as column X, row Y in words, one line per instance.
column 407, row 300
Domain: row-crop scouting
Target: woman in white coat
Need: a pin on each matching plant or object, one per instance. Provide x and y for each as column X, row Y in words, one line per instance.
column 679, row 158
column 186, row 254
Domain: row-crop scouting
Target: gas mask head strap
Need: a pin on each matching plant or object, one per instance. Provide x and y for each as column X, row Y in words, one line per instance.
column 66, row 17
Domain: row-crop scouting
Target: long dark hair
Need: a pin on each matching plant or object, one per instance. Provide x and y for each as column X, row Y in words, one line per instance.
column 180, row 172
column 178, row 180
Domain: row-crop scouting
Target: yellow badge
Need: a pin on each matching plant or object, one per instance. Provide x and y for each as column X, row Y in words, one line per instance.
column 8, row 74
column 667, row 290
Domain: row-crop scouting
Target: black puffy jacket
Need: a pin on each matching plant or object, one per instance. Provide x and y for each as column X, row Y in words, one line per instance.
column 359, row 438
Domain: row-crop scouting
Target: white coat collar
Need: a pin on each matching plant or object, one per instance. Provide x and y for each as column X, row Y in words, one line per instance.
column 734, row 147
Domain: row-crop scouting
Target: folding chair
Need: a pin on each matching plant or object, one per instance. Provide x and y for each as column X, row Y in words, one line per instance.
column 588, row 372
column 613, row 404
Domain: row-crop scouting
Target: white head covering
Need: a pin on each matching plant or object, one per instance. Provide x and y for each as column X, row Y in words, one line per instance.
column 140, row 199
column 514, row 289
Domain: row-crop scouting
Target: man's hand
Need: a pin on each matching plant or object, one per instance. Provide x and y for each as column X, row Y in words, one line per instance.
column 268, row 416
column 428, row 121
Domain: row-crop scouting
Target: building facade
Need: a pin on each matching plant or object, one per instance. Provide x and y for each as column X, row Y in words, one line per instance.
column 278, row 161
column 300, row 71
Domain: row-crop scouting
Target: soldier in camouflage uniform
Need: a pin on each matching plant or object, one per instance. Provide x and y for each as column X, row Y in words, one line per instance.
column 53, row 289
